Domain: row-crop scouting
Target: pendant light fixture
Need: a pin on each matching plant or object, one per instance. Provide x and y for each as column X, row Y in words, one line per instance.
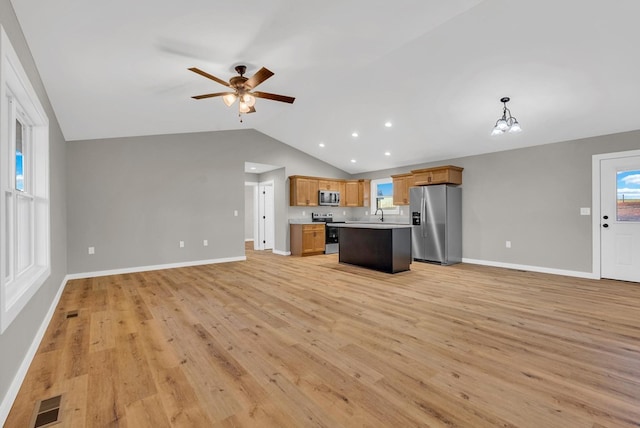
column 506, row 123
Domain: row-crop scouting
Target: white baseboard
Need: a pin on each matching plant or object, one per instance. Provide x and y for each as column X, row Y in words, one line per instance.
column 16, row 383
column 281, row 253
column 577, row 274
column 153, row 267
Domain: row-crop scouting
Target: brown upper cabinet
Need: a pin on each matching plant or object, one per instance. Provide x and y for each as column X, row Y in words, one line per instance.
column 364, row 187
column 401, row 185
column 303, row 191
column 356, row 193
column 448, row 174
column 351, row 194
column 326, row 184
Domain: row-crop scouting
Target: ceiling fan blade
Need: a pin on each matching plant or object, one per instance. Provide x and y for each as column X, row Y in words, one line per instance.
column 217, row 94
column 262, row 75
column 274, row 97
column 209, row 76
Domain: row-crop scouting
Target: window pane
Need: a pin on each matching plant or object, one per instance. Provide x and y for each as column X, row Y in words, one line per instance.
column 19, row 157
column 628, row 195
column 384, row 196
column 24, row 233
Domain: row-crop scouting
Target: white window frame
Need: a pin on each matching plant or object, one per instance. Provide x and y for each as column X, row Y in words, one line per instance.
column 374, row 195
column 25, row 264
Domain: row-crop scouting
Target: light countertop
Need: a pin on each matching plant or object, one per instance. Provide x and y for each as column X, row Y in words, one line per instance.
column 372, row 225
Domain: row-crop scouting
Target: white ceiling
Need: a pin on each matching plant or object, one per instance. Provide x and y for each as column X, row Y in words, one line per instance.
column 435, row 68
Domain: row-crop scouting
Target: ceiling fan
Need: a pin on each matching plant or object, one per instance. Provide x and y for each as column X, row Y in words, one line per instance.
column 242, row 89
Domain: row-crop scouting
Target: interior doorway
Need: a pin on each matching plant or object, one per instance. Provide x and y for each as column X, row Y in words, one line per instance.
column 616, row 217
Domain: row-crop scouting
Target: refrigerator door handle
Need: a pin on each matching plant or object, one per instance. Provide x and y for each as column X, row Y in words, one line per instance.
column 423, row 217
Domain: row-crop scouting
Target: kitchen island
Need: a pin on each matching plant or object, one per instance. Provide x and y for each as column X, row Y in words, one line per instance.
column 379, row 246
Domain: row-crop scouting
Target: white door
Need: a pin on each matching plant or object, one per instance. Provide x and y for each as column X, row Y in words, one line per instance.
column 620, row 218
column 266, row 214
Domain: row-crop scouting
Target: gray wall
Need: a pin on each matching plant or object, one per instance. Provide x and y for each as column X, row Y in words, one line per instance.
column 532, row 197
column 249, row 212
column 15, row 341
column 280, row 205
column 134, row 199
column 249, row 208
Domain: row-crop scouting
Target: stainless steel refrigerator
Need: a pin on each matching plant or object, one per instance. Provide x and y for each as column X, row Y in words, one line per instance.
column 436, row 223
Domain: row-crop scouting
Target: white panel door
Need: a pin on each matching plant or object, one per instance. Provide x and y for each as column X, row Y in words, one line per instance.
column 266, row 219
column 620, row 218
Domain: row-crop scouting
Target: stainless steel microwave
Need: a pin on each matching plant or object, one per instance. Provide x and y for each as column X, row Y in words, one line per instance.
column 329, row 197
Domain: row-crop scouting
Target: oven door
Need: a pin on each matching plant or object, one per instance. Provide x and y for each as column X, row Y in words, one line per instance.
column 331, row 239
column 331, row 234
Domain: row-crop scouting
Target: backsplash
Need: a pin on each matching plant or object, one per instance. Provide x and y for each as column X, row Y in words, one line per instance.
column 350, row 214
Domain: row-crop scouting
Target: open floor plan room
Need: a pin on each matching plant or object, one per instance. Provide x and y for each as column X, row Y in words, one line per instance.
column 308, row 342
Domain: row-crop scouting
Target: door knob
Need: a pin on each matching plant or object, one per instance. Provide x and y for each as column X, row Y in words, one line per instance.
column 605, row 225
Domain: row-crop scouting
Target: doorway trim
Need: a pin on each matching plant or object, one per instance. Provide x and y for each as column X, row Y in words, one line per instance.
column 596, row 203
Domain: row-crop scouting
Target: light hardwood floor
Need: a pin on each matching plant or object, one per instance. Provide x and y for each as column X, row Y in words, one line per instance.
column 307, row 342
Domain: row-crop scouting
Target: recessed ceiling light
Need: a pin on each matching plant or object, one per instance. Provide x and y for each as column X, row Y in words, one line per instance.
column 252, row 168
column 388, row 124
column 321, row 144
column 353, row 161
column 354, row 134
column 387, row 153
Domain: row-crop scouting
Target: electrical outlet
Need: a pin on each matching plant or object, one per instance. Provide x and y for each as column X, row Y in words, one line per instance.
column 91, row 250
column 303, row 214
column 235, row 213
column 507, row 244
column 205, row 243
column 181, row 244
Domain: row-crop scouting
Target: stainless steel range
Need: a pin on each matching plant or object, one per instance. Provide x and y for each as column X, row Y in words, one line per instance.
column 330, row 232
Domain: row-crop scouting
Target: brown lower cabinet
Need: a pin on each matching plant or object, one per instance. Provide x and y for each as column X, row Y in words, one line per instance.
column 306, row 239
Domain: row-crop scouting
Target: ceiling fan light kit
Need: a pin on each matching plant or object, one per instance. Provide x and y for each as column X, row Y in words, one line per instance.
column 229, row 99
column 506, row 123
column 242, row 89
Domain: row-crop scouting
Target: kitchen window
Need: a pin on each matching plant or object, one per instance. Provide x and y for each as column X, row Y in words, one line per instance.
column 382, row 196
column 25, row 261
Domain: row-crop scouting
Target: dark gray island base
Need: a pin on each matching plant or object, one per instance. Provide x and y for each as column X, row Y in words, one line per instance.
column 383, row 247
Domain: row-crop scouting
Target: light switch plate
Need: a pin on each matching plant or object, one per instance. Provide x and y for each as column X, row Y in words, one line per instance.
column 585, row 211
column 91, row 250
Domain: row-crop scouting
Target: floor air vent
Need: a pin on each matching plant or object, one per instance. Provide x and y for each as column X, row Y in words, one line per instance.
column 72, row 314
column 47, row 412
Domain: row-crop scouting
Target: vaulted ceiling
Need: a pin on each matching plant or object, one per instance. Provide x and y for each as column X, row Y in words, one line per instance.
column 435, row 69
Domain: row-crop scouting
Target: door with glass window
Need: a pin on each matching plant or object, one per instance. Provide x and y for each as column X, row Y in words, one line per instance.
column 620, row 218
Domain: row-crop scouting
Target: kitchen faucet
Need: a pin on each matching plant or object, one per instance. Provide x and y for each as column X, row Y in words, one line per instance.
column 381, row 212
